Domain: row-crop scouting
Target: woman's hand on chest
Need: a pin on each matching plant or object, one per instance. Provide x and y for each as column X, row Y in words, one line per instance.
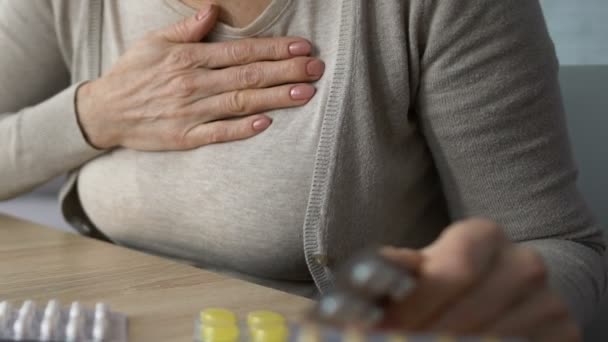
column 172, row 92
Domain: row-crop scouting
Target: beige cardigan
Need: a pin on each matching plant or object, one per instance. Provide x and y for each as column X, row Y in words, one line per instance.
column 467, row 120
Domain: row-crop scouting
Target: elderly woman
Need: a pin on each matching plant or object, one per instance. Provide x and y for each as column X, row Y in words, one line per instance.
column 276, row 143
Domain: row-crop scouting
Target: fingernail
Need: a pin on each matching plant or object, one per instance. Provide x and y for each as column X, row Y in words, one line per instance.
column 315, row 68
column 204, row 12
column 261, row 124
column 302, row 92
column 300, row 48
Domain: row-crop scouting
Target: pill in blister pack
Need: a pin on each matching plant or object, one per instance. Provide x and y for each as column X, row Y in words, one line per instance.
column 364, row 285
column 53, row 322
column 221, row 325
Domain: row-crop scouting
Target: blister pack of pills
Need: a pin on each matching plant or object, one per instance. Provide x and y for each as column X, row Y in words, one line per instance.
column 363, row 288
column 221, row 325
column 54, row 323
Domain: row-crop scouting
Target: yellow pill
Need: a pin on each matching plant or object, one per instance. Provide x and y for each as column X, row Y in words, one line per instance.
column 217, row 316
column 273, row 333
column 219, row 333
column 257, row 318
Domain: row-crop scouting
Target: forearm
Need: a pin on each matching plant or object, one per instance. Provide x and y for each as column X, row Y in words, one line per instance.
column 41, row 142
column 39, row 133
column 577, row 271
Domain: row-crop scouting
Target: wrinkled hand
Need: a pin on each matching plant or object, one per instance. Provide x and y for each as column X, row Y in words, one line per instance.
column 474, row 281
column 172, row 92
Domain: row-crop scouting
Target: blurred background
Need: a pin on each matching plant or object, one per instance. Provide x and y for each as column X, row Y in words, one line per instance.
column 580, row 31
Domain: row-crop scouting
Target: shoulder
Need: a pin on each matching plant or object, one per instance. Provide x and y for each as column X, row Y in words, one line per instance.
column 456, row 14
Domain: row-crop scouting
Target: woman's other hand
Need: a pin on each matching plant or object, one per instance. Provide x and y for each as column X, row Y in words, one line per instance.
column 172, row 92
column 474, row 281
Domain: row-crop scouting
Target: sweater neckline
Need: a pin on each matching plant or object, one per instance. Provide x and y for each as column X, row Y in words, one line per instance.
column 273, row 12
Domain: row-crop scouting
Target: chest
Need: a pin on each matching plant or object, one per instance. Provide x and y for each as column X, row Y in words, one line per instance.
column 124, row 22
column 236, row 13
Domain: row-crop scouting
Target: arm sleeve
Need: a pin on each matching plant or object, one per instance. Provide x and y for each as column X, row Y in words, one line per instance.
column 490, row 107
column 40, row 137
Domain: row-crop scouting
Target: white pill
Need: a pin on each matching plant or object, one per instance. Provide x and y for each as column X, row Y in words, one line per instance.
column 5, row 316
column 362, row 273
column 100, row 326
column 74, row 328
column 23, row 323
column 50, row 321
column 330, row 306
column 101, row 311
column 75, row 310
column 5, row 310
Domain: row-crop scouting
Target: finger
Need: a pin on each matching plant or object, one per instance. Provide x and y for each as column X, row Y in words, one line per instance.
column 519, row 272
column 524, row 317
column 250, row 50
column 452, row 266
column 192, row 29
column 225, row 131
column 407, row 258
column 260, row 75
column 251, row 101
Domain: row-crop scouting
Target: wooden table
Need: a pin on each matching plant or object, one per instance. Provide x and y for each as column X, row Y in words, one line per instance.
column 161, row 297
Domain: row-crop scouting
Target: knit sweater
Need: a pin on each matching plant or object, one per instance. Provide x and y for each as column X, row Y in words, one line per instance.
column 235, row 206
column 437, row 111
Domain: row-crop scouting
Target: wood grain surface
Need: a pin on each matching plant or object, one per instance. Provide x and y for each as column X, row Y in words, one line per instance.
column 160, row 297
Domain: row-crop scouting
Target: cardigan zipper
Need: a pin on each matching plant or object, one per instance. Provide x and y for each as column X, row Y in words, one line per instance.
column 315, row 228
